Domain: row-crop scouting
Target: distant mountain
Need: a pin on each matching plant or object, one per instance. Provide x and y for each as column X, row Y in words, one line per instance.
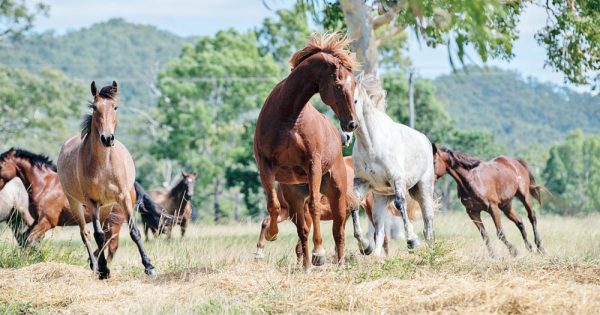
column 131, row 54
column 516, row 111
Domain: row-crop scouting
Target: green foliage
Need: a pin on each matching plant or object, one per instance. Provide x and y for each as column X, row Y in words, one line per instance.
column 517, row 112
column 32, row 105
column 13, row 256
column 16, row 17
column 572, row 39
column 207, row 94
column 283, row 36
column 572, row 175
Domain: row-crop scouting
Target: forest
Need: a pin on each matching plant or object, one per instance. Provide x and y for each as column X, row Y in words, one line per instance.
column 189, row 104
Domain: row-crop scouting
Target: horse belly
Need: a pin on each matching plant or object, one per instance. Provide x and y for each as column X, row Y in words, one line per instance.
column 374, row 174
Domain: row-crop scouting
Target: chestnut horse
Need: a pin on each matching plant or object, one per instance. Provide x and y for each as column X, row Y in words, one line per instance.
column 97, row 171
column 291, row 196
column 48, row 203
column 176, row 203
column 491, row 186
column 295, row 144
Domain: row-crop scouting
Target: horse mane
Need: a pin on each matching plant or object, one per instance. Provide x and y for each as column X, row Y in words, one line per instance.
column 178, row 188
column 373, row 89
column 38, row 160
column 463, row 160
column 334, row 44
column 107, row 92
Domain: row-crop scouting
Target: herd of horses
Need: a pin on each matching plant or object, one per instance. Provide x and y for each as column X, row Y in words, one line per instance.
column 391, row 173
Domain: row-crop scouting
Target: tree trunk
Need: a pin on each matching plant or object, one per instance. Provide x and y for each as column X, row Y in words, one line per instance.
column 360, row 29
column 236, row 210
column 217, row 205
column 411, row 100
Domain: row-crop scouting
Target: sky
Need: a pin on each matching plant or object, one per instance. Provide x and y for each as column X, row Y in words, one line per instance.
column 193, row 17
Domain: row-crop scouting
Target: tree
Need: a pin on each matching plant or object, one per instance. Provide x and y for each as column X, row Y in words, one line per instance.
column 16, row 17
column 208, row 93
column 488, row 26
column 36, row 109
column 572, row 175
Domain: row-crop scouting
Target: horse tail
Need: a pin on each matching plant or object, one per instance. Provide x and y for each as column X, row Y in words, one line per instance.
column 534, row 189
column 149, row 210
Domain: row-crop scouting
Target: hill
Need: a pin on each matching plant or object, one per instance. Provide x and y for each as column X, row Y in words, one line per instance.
column 518, row 112
column 131, row 54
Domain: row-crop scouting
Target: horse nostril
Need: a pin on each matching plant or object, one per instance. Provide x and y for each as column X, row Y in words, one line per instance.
column 352, row 125
column 112, row 137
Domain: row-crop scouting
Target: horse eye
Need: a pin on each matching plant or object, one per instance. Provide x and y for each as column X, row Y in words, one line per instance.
column 116, row 107
column 355, row 101
column 94, row 108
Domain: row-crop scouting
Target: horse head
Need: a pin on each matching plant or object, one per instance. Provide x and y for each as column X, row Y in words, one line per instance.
column 103, row 119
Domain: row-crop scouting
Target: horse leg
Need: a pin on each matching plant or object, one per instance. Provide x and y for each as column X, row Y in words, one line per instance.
column 516, row 218
column 299, row 215
column 412, row 240
column 126, row 204
column 475, row 216
column 267, row 178
column 77, row 211
column 183, row 225
column 425, row 199
column 380, row 203
column 499, row 231
column 262, row 238
column 526, row 201
column 336, row 194
column 314, row 201
column 146, row 228
column 100, row 237
column 364, row 246
column 37, row 232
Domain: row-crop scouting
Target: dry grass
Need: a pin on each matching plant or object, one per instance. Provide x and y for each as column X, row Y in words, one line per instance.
column 213, row 271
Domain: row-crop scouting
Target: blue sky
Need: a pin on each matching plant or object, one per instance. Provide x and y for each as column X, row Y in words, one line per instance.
column 189, row 17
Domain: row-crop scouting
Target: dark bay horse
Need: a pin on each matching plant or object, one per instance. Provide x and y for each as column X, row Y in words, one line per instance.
column 293, row 198
column 491, row 186
column 295, row 144
column 176, row 204
column 48, row 203
column 97, row 171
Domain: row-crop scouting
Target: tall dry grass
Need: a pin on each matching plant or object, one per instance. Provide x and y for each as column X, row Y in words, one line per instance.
column 213, row 271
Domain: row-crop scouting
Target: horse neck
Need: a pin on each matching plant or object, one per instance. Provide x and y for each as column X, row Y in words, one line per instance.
column 368, row 123
column 297, row 89
column 92, row 147
column 33, row 177
column 461, row 177
column 177, row 194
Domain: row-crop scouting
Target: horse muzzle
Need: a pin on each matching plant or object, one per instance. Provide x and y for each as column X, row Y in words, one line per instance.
column 108, row 141
column 349, row 126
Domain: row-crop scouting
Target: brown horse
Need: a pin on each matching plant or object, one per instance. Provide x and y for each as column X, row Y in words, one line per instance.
column 491, row 186
column 296, row 195
column 97, row 171
column 48, row 203
column 295, row 144
column 176, row 203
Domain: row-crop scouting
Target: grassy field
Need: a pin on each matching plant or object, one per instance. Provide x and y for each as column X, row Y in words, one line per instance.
column 214, row 271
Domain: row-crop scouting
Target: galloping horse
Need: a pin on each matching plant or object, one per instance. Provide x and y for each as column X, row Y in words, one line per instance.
column 293, row 198
column 48, row 203
column 295, row 144
column 176, row 203
column 14, row 207
column 491, row 186
column 392, row 160
column 97, row 171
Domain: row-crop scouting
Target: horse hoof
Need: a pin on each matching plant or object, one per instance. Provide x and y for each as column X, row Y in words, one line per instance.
column 367, row 251
column 513, row 252
column 318, row 260
column 151, row 272
column 412, row 244
column 259, row 256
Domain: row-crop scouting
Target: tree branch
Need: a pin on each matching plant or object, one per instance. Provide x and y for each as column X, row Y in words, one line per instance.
column 389, row 34
column 388, row 16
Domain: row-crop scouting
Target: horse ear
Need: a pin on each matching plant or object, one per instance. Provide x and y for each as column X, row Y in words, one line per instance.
column 183, row 173
column 434, row 147
column 194, row 174
column 94, row 89
column 114, row 86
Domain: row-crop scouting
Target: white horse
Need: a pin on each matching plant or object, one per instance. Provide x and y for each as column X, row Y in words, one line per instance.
column 392, row 160
column 14, row 201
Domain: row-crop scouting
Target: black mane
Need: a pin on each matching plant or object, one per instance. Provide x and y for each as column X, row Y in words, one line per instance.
column 461, row 159
column 38, row 160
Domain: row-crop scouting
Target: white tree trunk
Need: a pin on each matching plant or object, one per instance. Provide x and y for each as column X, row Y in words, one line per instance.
column 360, row 29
